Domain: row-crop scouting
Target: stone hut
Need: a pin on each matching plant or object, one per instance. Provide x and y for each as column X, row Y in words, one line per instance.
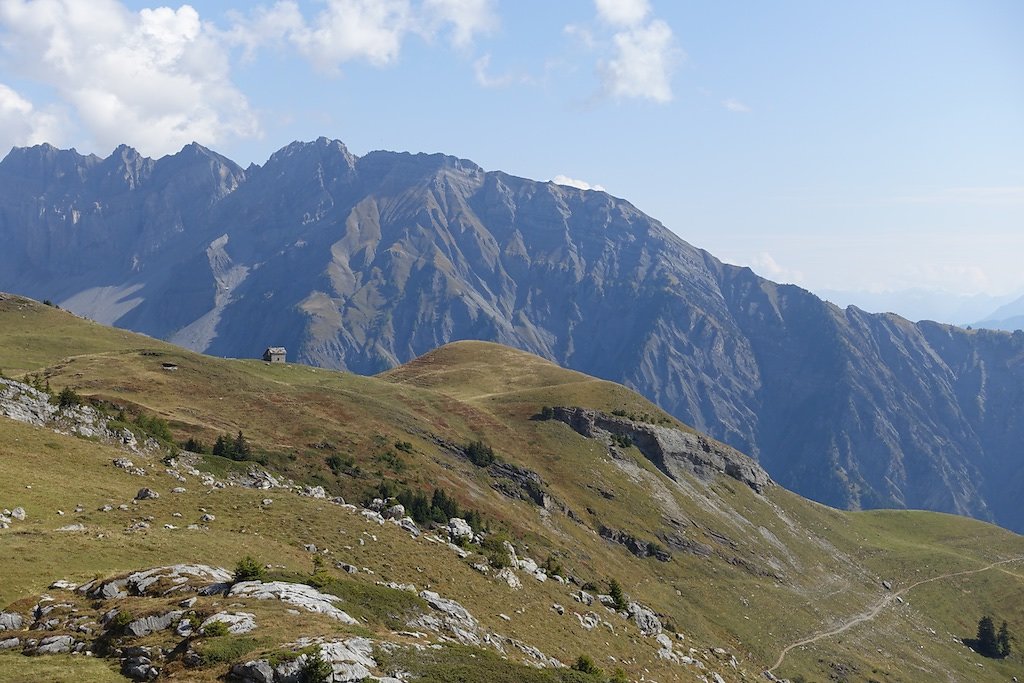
column 275, row 354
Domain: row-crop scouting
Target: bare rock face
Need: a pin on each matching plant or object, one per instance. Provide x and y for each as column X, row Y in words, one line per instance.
column 849, row 408
column 671, row 450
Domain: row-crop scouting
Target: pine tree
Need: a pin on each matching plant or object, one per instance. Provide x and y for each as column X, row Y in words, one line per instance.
column 986, row 641
column 1003, row 641
column 242, row 450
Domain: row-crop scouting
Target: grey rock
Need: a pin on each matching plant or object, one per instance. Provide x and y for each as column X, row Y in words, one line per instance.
column 645, row 619
column 237, row 622
column 151, row 624
column 396, row 511
column 54, row 645
column 18, row 513
column 675, row 452
column 146, row 494
column 256, row 671
column 9, row 644
column 459, row 528
column 296, row 594
column 11, row 621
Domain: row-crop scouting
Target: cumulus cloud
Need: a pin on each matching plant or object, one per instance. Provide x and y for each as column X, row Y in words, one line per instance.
column 623, row 13
column 157, row 77
column 643, row 63
column 21, row 123
column 467, row 18
column 573, row 182
column 360, row 30
column 734, row 105
column 640, row 52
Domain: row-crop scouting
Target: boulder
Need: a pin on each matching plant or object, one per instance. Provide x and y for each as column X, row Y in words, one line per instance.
column 11, row 621
column 583, row 597
column 54, row 645
column 237, row 622
column 18, row 513
column 396, row 511
column 9, row 644
column 152, row 624
column 509, row 577
column 146, row 494
column 459, row 528
column 256, row 671
column 645, row 620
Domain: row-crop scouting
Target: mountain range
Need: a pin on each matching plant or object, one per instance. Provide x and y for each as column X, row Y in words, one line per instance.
column 363, row 263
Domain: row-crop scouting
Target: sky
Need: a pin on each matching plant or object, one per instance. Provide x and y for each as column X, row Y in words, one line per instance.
column 843, row 146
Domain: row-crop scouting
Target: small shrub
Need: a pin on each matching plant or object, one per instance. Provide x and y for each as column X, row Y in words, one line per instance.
column 248, row 569
column 553, row 567
column 618, row 676
column 547, row 413
column 316, row 669
column 493, row 548
column 586, row 665
column 68, row 398
column 195, row 445
column 215, row 629
column 121, row 620
column 622, row 440
column 344, row 464
column 403, row 446
column 224, row 649
column 618, row 598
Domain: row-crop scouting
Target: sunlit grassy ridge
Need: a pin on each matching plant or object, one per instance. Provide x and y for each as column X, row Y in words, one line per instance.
column 781, row 568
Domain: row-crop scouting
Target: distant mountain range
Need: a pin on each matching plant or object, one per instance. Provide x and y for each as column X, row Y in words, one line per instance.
column 366, row 262
column 921, row 304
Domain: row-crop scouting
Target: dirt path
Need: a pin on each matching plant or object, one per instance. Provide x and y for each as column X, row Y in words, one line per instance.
column 874, row 611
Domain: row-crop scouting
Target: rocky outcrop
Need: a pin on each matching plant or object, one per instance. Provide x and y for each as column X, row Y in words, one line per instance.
column 672, row 450
column 297, row 594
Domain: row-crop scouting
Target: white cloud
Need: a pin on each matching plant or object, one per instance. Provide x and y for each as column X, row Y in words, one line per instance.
column 467, row 18
column 360, row 30
column 158, row 78
column 354, row 29
column 482, row 73
column 734, row 105
column 573, row 182
column 642, row 67
column 624, row 13
column 21, row 123
column 765, row 265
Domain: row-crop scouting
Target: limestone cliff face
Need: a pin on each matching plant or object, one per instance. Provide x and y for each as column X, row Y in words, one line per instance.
column 365, row 262
column 671, row 450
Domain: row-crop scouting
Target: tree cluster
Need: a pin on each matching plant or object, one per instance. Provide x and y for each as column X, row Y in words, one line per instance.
column 236, row 448
column 438, row 506
column 479, row 453
column 989, row 642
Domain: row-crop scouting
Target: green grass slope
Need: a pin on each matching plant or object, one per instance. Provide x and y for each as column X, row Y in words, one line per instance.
column 757, row 575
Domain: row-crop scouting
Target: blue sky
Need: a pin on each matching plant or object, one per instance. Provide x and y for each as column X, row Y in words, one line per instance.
column 839, row 145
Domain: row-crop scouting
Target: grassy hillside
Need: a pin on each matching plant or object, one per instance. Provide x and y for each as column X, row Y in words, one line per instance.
column 762, row 573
